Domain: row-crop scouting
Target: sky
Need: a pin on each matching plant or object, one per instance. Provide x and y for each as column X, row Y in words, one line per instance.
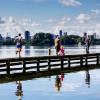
column 71, row 16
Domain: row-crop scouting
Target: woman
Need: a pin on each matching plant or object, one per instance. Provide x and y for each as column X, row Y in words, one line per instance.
column 57, row 44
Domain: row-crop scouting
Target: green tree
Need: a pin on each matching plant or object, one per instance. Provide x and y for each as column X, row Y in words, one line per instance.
column 44, row 39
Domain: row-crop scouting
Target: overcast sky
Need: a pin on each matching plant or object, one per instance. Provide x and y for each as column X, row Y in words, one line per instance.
column 72, row 16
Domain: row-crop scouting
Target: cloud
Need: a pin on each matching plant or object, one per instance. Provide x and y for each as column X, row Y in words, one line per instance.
column 49, row 20
column 61, row 24
column 83, row 18
column 70, row 86
column 95, row 11
column 2, row 20
column 34, row 24
column 38, row 1
column 73, row 3
column 11, row 26
column 14, row 26
column 11, row 19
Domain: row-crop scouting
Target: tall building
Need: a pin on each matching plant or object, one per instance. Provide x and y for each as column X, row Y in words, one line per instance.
column 94, row 35
column 1, row 39
column 60, row 33
column 27, row 36
column 65, row 34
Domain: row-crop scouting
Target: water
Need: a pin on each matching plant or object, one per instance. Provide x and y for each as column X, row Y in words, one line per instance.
column 9, row 51
column 83, row 85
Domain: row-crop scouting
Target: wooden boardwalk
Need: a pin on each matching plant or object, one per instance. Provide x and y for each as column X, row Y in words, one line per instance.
column 25, row 65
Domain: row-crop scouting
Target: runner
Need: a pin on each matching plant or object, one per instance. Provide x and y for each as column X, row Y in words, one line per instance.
column 18, row 41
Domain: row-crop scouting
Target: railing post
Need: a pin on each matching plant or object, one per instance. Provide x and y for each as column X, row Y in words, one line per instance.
column 49, row 51
column 68, row 62
column 61, row 62
column 86, row 62
column 38, row 65
column 49, row 64
column 24, row 66
column 81, row 61
column 97, row 59
column 8, row 67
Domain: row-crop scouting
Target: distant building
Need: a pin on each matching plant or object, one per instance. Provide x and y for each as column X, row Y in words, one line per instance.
column 94, row 35
column 27, row 36
column 1, row 39
column 65, row 34
column 60, row 33
column 8, row 38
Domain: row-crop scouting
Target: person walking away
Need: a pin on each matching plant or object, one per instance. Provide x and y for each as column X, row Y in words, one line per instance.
column 18, row 40
column 87, row 43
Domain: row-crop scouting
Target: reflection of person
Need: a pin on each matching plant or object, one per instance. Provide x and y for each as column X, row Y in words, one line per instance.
column 87, row 80
column 87, row 43
column 57, row 44
column 58, row 83
column 62, row 76
column 18, row 41
column 19, row 91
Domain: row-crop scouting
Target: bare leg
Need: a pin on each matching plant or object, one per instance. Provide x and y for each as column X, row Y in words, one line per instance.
column 19, row 52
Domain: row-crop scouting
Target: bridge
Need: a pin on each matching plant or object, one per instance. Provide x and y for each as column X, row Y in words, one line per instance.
column 25, row 65
column 25, row 68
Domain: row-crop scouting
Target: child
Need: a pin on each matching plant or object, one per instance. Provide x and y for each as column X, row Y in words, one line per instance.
column 61, row 51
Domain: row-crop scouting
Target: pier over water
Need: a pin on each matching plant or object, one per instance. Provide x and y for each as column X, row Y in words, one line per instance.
column 30, row 65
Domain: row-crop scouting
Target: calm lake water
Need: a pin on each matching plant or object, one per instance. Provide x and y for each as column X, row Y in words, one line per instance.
column 83, row 85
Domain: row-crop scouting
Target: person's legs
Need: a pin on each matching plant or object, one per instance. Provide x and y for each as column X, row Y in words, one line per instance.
column 58, row 49
column 20, row 51
column 87, row 48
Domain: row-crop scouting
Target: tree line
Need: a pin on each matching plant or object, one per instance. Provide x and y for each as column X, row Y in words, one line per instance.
column 47, row 39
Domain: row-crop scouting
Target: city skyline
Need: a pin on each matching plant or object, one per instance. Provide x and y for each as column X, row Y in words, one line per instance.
column 72, row 16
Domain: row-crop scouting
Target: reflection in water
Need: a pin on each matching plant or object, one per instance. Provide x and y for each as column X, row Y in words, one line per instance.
column 62, row 76
column 87, row 80
column 58, row 83
column 19, row 91
column 27, row 50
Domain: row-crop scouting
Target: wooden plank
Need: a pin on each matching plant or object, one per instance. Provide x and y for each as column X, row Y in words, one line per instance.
column 3, row 65
column 76, row 62
column 12, row 69
column 55, row 60
column 4, row 69
column 31, row 67
column 31, row 62
column 55, row 65
column 92, row 61
column 15, row 63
